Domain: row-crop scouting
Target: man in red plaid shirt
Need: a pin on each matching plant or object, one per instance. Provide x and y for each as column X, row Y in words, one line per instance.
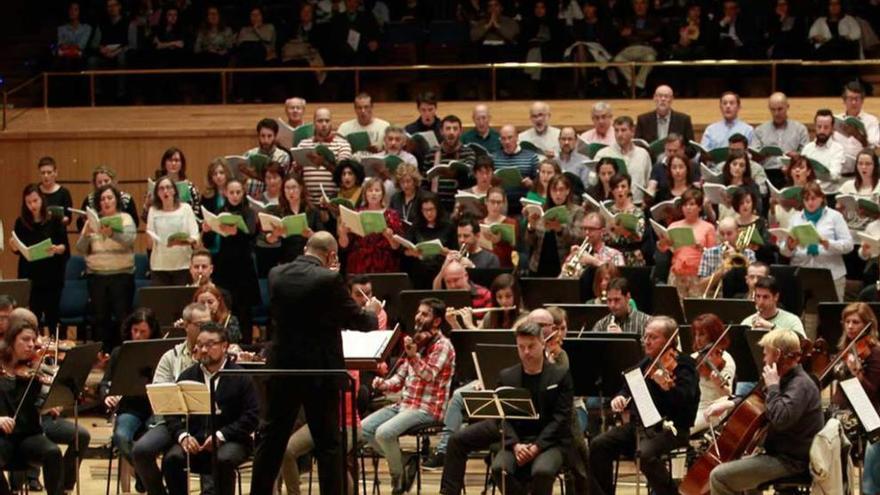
column 423, row 380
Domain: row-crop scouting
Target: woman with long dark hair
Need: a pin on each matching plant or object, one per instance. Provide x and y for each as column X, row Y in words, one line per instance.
column 294, row 201
column 550, row 240
column 172, row 233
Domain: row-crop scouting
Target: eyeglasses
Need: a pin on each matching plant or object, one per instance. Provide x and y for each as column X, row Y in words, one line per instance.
column 206, row 345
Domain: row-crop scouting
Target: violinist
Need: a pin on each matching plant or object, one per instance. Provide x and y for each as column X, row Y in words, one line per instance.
column 715, row 365
column 794, row 416
column 21, row 434
column 863, row 361
column 673, row 385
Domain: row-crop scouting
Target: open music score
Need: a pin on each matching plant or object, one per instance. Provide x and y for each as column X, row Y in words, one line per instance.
column 365, row 350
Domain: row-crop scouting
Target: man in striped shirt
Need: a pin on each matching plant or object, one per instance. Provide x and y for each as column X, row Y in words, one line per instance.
column 322, row 175
column 512, row 156
column 267, row 131
column 423, row 380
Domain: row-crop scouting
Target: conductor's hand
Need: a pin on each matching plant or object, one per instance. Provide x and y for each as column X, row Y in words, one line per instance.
column 190, row 445
column 619, row 403
column 409, row 347
column 7, row 424
column 111, row 401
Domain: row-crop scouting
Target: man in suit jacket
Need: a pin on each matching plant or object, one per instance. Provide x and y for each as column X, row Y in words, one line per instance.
column 663, row 120
column 238, row 412
column 535, row 449
column 310, row 305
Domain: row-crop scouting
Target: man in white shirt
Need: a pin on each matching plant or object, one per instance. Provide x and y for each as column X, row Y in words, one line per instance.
column 637, row 159
column 295, row 110
column 365, row 122
column 718, row 133
column 541, row 134
column 826, row 151
column 570, row 160
column 602, row 131
column 851, row 138
column 789, row 135
column 769, row 315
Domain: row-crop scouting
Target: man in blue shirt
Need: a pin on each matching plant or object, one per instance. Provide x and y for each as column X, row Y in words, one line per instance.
column 718, row 133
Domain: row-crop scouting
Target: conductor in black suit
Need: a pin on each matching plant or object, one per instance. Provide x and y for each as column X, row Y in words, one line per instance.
column 309, row 305
column 663, row 120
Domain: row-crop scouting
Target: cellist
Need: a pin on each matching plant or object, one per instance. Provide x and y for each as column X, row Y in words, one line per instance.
column 794, row 416
column 674, row 388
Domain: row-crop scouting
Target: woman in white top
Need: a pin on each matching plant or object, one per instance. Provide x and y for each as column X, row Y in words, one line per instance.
column 172, row 232
column 836, row 35
column 717, row 370
column 835, row 238
column 867, row 180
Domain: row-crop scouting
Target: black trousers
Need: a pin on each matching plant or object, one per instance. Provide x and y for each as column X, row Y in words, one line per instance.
column 540, row 473
column 621, row 440
column 111, row 297
column 44, row 302
column 284, row 397
column 229, row 456
column 477, row 436
column 34, row 450
column 63, row 431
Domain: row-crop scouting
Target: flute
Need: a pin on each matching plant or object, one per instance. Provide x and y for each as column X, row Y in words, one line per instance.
column 480, row 311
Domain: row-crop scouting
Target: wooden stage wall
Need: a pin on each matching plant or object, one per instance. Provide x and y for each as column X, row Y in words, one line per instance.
column 132, row 139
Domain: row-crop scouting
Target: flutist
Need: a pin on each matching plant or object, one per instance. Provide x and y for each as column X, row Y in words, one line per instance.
column 622, row 317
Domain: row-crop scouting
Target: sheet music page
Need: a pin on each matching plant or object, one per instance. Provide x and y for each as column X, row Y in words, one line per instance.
column 196, row 396
column 640, row 394
column 365, row 345
column 165, row 398
column 861, row 404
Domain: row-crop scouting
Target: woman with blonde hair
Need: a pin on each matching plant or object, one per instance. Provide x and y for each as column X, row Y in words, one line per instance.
column 406, row 199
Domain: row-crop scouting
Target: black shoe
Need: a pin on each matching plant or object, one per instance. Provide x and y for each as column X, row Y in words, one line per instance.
column 435, row 461
column 410, row 470
column 34, row 485
column 139, row 485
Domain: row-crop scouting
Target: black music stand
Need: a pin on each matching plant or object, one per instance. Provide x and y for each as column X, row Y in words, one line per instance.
column 387, row 287
column 667, row 302
column 167, row 302
column 136, row 365
column 582, row 315
column 409, row 302
column 640, row 284
column 465, row 342
column 539, row 291
column 17, row 289
column 172, row 332
column 817, row 286
column 756, row 352
column 69, row 383
column 729, row 310
column 485, row 276
column 493, row 358
column 786, row 276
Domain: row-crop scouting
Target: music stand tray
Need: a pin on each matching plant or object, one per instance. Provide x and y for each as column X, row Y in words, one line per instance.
column 71, row 378
column 136, row 365
column 729, row 310
column 493, row 358
column 538, row 291
column 465, row 342
column 817, row 286
column 597, row 363
column 18, row 289
column 167, row 302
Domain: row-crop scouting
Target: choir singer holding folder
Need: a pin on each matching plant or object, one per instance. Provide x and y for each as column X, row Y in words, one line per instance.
column 309, row 305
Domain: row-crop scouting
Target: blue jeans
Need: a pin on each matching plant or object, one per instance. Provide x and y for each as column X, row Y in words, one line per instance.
column 127, row 426
column 871, row 476
column 383, row 428
column 454, row 417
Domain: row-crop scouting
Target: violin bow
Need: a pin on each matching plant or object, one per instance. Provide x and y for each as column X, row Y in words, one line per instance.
column 843, row 352
column 714, row 345
column 28, row 388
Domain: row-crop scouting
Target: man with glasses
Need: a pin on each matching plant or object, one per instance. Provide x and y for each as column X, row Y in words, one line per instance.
column 238, row 412
column 593, row 225
column 158, row 438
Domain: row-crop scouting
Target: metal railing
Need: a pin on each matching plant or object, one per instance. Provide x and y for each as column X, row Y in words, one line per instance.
column 224, row 73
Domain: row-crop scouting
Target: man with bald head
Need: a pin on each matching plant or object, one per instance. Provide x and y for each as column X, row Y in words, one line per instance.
column 482, row 133
column 569, row 160
column 663, row 121
column 780, row 131
column 511, row 155
column 309, row 306
column 454, row 276
column 316, row 176
column 541, row 134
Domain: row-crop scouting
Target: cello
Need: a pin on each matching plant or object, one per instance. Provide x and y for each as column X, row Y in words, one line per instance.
column 743, row 432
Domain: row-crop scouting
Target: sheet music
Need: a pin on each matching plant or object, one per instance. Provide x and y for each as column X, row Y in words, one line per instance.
column 165, row 398
column 365, row 345
column 196, row 396
column 861, row 404
column 642, row 397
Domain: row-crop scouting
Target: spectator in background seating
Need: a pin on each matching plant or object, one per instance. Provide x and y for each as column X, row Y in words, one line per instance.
column 695, row 36
column 256, row 41
column 543, row 135
column 111, row 43
column 786, row 33
column 836, row 35
column 305, row 44
column 355, row 35
column 169, row 41
column 592, row 38
column 73, row 39
column 736, row 36
column 482, row 133
column 214, row 40
column 718, row 133
column 642, row 36
column 542, row 35
column 602, row 132
column 495, row 34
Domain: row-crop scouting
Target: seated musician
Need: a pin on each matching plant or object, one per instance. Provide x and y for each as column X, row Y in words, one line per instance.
column 716, row 260
column 600, row 253
column 862, row 362
column 158, row 439
column 769, row 315
column 238, row 412
column 715, row 365
column 423, row 380
column 676, row 394
column 468, row 233
column 794, row 415
column 505, row 310
column 22, row 439
column 754, row 272
column 361, row 291
column 454, row 276
column 534, row 450
column 455, row 411
column 622, row 316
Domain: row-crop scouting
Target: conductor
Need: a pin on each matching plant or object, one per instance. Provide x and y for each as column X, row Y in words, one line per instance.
column 309, row 305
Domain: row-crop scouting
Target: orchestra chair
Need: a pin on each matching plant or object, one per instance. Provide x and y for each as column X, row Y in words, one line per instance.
column 561, row 476
column 422, row 435
column 141, row 271
column 74, row 303
column 680, row 452
column 17, row 469
column 799, row 484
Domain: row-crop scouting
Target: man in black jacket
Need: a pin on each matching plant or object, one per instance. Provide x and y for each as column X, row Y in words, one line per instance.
column 676, row 396
column 238, row 412
column 310, row 305
column 663, row 121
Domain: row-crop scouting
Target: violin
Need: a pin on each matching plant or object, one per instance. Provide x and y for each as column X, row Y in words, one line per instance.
column 859, row 347
column 666, row 360
column 711, row 359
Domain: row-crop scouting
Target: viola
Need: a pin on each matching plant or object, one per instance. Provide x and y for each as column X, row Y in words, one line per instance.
column 712, row 363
